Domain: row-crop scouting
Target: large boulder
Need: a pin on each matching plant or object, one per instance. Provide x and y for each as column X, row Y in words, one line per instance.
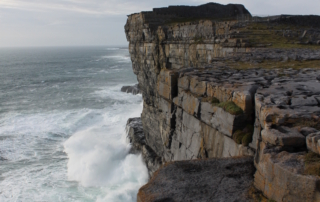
column 226, row 179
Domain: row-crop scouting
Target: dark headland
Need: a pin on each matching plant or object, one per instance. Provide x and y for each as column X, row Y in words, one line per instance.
column 231, row 104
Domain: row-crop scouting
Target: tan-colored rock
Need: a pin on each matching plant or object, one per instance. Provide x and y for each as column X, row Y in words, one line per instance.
column 279, row 176
column 188, row 102
column 313, row 142
column 198, row 87
column 221, row 120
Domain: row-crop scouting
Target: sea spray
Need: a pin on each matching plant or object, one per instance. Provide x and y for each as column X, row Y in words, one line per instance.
column 98, row 157
column 62, row 123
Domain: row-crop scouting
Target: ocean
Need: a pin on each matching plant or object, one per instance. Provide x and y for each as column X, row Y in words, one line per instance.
column 62, row 125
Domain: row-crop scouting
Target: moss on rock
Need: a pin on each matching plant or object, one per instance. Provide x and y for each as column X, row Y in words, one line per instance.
column 215, row 100
column 246, row 139
column 230, row 107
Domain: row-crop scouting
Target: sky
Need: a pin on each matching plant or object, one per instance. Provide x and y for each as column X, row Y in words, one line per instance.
column 33, row 23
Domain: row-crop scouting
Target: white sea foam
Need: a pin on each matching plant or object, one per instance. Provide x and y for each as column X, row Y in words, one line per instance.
column 98, row 157
column 114, row 93
column 57, row 149
column 112, row 48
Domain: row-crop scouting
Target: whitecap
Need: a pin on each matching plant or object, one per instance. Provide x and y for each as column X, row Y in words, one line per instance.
column 112, row 48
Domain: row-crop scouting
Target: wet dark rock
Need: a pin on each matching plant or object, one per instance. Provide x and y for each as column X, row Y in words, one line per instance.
column 131, row 89
column 138, row 141
column 135, row 134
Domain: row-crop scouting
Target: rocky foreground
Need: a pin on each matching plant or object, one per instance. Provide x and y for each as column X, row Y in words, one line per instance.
column 235, row 98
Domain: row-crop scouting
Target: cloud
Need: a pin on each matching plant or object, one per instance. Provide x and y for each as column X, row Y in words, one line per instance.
column 100, row 22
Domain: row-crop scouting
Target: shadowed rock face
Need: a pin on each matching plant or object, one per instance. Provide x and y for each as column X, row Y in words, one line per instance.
column 201, row 180
column 137, row 140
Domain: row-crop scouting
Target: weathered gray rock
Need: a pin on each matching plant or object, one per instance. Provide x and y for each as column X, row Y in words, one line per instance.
column 283, row 136
column 307, row 131
column 221, row 120
column 135, row 134
column 137, row 139
column 280, row 176
column 230, row 180
column 303, row 101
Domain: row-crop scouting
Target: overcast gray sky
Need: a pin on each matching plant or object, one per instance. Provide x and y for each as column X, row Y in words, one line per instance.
column 101, row 22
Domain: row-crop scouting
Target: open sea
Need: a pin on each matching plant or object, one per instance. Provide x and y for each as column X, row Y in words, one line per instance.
column 62, row 125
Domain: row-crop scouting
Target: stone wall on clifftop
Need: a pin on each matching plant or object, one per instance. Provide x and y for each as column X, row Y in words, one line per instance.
column 216, row 87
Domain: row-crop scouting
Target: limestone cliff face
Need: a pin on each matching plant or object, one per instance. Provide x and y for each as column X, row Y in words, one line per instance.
column 207, row 94
column 155, row 48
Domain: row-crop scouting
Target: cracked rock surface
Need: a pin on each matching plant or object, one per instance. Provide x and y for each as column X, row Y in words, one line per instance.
column 201, row 180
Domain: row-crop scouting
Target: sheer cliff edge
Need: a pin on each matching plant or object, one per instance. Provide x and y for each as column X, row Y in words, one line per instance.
column 235, row 97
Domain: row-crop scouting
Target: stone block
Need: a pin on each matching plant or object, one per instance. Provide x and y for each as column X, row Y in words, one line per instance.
column 188, row 102
column 184, row 83
column 221, row 120
column 283, row 136
column 280, row 177
column 198, row 87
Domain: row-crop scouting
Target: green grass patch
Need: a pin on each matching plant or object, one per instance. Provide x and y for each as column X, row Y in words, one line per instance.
column 238, row 136
column 244, row 136
column 198, row 40
column 230, row 107
column 247, row 139
column 315, row 64
column 263, row 33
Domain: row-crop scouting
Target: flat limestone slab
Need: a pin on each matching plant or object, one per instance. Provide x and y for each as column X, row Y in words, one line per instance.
column 227, row 179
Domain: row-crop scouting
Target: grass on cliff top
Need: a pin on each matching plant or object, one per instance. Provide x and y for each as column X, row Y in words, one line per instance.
column 271, row 34
column 230, row 107
column 312, row 164
column 275, row 64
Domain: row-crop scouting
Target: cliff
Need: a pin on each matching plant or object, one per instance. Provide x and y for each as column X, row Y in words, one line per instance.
column 218, row 83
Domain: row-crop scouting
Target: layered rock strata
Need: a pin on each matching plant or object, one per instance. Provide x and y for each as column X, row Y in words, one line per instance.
column 221, row 87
